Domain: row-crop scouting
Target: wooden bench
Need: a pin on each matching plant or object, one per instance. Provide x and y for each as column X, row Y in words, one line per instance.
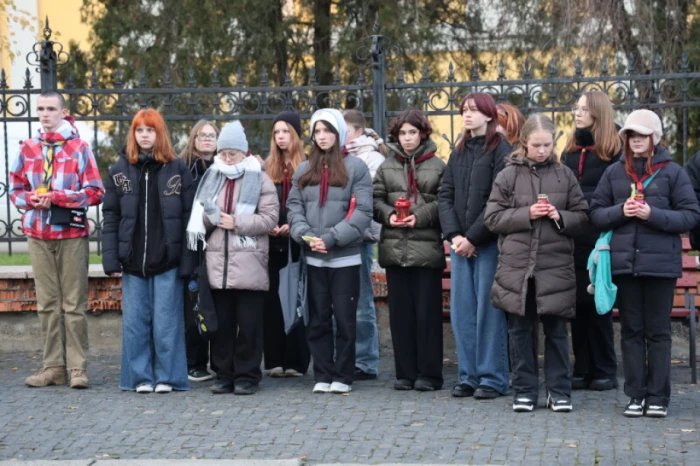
column 684, row 307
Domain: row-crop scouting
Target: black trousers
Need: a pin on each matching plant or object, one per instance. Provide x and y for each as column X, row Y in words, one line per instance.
column 282, row 350
column 238, row 344
column 196, row 347
column 332, row 294
column 556, row 351
column 592, row 337
column 415, row 313
column 645, row 305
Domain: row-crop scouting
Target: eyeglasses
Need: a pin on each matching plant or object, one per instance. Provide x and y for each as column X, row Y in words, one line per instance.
column 206, row 136
column 579, row 110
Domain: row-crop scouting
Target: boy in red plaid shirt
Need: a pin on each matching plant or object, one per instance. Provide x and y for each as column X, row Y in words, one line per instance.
column 54, row 180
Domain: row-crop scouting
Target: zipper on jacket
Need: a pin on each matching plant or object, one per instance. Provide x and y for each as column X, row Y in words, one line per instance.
column 145, row 240
column 227, row 203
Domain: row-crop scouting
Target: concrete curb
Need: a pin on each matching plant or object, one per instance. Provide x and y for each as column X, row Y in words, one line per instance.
column 291, row 462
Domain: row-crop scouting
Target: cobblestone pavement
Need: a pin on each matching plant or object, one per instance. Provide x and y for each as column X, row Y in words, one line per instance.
column 373, row 424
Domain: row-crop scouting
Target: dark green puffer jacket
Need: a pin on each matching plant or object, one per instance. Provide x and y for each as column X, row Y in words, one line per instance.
column 410, row 247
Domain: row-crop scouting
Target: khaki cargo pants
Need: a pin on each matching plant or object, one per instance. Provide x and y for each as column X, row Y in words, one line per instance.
column 61, row 277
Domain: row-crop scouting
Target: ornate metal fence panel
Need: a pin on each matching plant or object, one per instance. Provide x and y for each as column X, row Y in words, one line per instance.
column 105, row 113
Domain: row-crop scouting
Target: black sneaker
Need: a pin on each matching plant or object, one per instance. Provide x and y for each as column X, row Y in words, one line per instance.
column 656, row 411
column 359, row 374
column 424, row 386
column 199, row 375
column 635, row 408
column 245, row 388
column 579, row 382
column 221, row 386
column 403, row 384
column 523, row 404
column 602, row 385
column 484, row 392
column 462, row 390
column 559, row 405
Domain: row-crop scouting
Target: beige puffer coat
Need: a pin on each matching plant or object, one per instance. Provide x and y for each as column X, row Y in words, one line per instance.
column 535, row 248
column 230, row 266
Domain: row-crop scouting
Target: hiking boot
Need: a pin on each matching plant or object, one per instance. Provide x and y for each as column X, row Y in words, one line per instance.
column 47, row 376
column 403, row 384
column 78, row 378
column 423, row 385
column 462, row 390
column 245, row 388
column 484, row 392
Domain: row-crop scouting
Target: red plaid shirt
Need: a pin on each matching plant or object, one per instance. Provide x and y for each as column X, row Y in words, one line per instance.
column 76, row 181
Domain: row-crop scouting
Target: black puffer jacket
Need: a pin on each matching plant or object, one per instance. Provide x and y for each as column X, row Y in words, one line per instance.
column 466, row 186
column 125, row 233
column 693, row 170
column 653, row 247
column 593, row 169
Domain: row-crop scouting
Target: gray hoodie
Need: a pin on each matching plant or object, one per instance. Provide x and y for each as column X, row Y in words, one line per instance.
column 342, row 237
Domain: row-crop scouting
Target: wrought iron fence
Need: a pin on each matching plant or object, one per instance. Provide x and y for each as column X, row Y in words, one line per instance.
column 109, row 110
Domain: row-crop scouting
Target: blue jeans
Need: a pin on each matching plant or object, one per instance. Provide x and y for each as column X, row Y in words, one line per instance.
column 366, row 339
column 481, row 330
column 153, row 332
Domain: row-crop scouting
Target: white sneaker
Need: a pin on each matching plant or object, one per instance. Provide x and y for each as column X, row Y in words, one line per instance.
column 339, row 387
column 322, row 387
column 144, row 388
column 163, row 388
column 277, row 372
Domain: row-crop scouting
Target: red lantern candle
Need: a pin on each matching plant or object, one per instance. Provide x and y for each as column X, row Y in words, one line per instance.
column 542, row 199
column 403, row 208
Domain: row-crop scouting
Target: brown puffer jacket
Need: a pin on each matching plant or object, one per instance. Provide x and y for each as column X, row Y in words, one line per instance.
column 535, row 248
column 233, row 267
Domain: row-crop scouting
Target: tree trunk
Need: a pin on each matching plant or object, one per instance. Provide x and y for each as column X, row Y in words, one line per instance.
column 322, row 41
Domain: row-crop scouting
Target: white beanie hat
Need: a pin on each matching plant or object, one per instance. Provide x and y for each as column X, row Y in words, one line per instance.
column 643, row 122
column 232, row 137
column 334, row 118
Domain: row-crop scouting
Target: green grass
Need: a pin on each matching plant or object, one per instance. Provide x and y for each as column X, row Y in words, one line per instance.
column 22, row 258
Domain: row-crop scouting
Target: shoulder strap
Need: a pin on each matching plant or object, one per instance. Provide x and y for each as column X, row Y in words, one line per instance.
column 648, row 180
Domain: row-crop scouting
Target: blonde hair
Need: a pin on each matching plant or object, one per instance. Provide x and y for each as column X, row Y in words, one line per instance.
column 274, row 164
column 190, row 154
column 534, row 123
column 607, row 140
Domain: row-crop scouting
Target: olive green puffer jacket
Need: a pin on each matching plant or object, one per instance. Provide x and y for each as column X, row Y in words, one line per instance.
column 421, row 246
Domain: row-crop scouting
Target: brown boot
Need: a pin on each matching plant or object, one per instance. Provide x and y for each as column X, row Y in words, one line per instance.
column 78, row 379
column 47, row 376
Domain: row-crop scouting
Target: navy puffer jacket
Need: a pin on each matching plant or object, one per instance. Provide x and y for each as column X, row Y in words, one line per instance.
column 653, row 247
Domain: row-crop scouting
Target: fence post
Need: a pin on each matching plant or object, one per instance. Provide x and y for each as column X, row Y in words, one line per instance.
column 378, row 77
column 48, row 61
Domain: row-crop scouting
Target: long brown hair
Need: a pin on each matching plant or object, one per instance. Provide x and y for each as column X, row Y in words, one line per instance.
column 162, row 148
column 629, row 155
column 511, row 120
column 190, row 154
column 274, row 164
column 337, row 173
column 357, row 120
column 536, row 122
column 607, row 141
column 485, row 104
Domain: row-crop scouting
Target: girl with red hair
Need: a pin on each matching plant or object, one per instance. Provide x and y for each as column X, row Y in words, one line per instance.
column 480, row 329
column 149, row 193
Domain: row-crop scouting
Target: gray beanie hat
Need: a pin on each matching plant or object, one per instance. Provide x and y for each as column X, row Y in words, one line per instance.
column 232, row 137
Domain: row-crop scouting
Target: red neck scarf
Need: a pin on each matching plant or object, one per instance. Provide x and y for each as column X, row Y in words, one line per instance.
column 286, row 185
column 412, row 181
column 324, row 179
column 640, row 181
column 582, row 158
